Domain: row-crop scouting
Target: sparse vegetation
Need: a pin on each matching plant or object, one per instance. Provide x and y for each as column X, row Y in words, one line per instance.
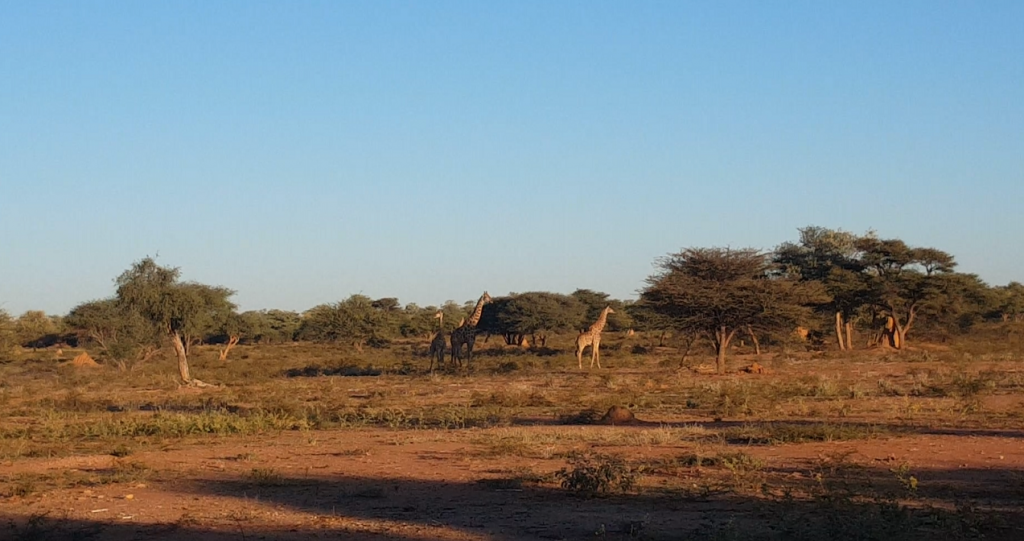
column 346, row 387
column 590, row 475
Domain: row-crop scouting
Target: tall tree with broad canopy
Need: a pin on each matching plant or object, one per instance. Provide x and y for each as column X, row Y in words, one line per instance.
column 902, row 281
column 181, row 311
column 1009, row 302
column 829, row 256
column 534, row 313
column 719, row 291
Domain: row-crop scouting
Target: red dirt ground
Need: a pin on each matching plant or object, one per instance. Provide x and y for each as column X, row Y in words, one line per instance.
column 425, row 484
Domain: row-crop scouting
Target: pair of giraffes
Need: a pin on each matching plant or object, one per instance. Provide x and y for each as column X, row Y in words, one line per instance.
column 465, row 334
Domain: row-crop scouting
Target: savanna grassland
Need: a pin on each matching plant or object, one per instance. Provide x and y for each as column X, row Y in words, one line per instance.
column 306, row 440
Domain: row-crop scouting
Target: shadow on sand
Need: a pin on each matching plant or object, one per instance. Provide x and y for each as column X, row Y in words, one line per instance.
column 507, row 509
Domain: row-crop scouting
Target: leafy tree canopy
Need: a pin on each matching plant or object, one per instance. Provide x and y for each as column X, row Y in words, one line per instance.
column 718, row 291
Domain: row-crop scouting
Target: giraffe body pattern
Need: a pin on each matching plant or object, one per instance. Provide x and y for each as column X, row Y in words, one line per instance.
column 437, row 345
column 465, row 334
column 592, row 337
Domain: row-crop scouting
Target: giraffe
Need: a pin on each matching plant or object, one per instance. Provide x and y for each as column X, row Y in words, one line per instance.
column 466, row 332
column 437, row 345
column 592, row 337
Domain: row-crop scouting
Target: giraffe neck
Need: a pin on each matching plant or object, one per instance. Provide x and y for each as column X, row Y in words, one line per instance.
column 477, row 312
column 598, row 326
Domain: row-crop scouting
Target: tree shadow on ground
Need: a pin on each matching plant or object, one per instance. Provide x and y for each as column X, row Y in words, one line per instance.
column 840, row 502
column 315, row 371
column 802, row 430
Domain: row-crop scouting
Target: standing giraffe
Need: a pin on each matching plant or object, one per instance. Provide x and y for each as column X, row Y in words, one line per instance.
column 592, row 337
column 437, row 345
column 466, row 332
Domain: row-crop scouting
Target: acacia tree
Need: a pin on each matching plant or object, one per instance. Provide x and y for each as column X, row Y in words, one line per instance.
column 121, row 334
column 902, row 281
column 1009, row 301
column 354, row 320
column 533, row 314
column 832, row 258
column 961, row 301
column 180, row 311
column 719, row 291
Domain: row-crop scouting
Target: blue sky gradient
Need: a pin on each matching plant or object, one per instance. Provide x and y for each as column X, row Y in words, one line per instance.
column 300, row 152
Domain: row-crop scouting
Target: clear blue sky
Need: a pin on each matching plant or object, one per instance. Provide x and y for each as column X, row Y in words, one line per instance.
column 299, row 152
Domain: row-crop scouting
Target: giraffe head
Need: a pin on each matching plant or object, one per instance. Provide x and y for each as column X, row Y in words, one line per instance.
column 439, row 315
column 485, row 298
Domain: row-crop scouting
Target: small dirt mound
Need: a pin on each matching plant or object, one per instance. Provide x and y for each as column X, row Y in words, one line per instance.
column 755, row 369
column 618, row 415
column 84, row 360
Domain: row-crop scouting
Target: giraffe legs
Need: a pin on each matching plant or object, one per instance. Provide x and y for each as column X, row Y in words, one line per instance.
column 456, row 347
column 458, row 340
column 439, row 357
column 470, row 342
column 595, row 353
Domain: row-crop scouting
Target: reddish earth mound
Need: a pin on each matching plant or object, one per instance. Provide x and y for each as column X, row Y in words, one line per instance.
column 84, row 360
column 618, row 415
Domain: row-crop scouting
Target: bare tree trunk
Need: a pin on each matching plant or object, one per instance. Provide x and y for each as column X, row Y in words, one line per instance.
column 753, row 338
column 179, row 350
column 892, row 335
column 232, row 341
column 722, row 338
column 839, row 331
column 849, row 335
column 899, row 337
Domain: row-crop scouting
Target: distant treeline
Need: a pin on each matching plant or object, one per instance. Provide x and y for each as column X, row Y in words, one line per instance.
column 832, row 284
